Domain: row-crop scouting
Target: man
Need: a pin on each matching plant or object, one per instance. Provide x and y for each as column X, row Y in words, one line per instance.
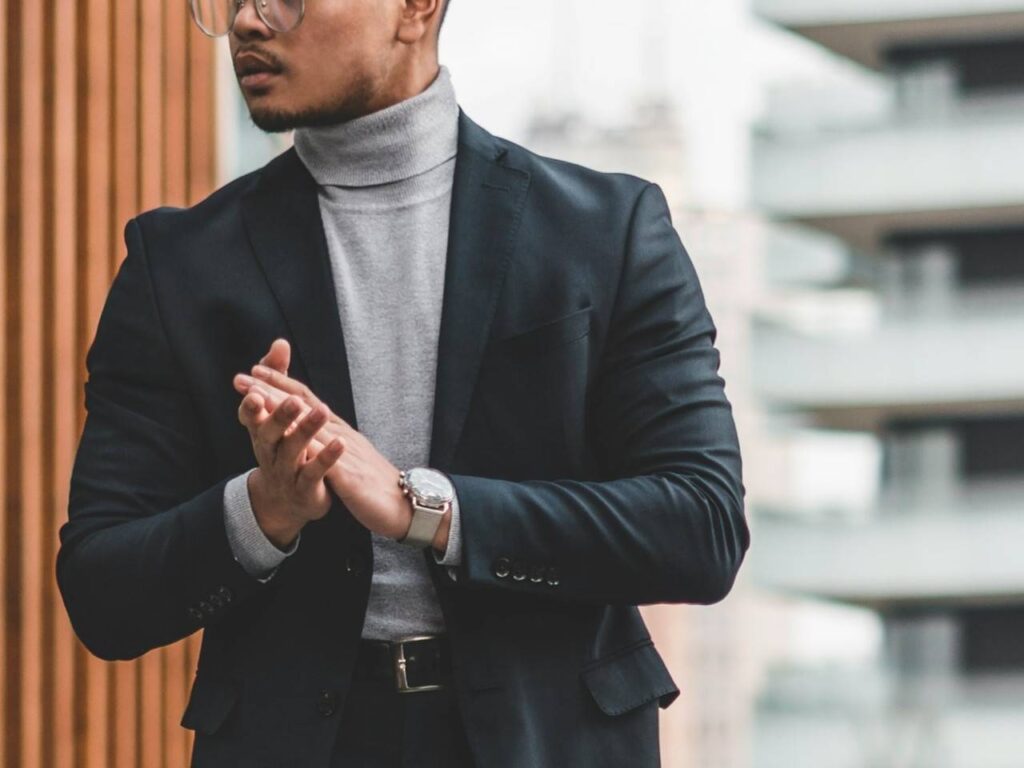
column 488, row 415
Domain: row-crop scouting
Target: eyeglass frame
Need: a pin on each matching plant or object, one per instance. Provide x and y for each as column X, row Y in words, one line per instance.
column 237, row 6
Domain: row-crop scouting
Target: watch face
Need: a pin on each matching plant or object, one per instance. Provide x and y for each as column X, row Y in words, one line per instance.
column 430, row 486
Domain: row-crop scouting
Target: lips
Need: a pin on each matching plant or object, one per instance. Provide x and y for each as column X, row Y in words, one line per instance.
column 257, row 78
column 253, row 70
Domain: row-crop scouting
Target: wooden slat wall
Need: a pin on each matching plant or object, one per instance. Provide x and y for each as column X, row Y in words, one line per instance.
column 106, row 109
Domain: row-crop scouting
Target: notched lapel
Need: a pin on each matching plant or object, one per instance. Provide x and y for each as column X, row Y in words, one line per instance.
column 488, row 195
column 282, row 218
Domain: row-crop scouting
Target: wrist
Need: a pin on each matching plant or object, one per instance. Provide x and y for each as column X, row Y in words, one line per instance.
column 428, row 495
column 279, row 527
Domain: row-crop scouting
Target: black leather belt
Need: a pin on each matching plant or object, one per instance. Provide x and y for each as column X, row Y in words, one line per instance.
column 421, row 663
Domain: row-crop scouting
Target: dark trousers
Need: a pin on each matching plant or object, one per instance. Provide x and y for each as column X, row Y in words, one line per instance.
column 381, row 728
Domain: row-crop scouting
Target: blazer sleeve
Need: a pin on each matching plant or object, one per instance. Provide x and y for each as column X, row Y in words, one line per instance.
column 665, row 522
column 144, row 558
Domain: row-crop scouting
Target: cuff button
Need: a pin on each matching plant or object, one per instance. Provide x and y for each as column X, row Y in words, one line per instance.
column 502, row 567
column 536, row 573
column 551, row 576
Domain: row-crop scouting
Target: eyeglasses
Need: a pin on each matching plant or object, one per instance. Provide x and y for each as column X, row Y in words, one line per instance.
column 216, row 17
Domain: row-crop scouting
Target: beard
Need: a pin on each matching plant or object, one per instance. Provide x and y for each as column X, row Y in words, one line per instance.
column 355, row 103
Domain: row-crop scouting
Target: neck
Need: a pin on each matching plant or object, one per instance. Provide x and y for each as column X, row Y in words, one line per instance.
column 404, row 139
column 413, row 77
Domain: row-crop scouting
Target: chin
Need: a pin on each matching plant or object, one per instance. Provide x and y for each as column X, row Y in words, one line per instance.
column 273, row 118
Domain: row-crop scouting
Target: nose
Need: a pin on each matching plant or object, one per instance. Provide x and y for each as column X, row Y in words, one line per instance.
column 247, row 23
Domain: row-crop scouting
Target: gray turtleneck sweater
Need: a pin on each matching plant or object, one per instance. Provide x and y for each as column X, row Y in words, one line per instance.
column 385, row 186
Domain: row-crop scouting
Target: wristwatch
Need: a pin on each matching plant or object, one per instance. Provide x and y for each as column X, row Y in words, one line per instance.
column 431, row 494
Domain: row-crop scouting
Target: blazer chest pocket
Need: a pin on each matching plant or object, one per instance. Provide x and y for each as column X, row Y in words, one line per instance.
column 545, row 336
column 210, row 702
column 629, row 678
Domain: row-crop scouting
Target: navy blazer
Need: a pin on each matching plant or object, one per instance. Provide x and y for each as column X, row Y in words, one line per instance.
column 579, row 412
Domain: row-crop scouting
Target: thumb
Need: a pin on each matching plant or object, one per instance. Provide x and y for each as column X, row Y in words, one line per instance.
column 279, row 357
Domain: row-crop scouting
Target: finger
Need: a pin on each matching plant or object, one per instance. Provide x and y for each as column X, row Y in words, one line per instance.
column 242, row 382
column 251, row 412
column 270, row 432
column 284, row 383
column 272, row 397
column 313, row 471
column 280, row 386
column 294, row 443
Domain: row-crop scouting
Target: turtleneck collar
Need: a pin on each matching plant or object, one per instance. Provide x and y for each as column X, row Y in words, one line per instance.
column 403, row 140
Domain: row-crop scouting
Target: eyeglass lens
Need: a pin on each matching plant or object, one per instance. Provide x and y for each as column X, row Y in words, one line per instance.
column 215, row 17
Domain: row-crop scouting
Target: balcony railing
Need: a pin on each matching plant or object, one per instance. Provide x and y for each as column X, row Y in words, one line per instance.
column 954, row 359
column 958, row 165
column 916, row 549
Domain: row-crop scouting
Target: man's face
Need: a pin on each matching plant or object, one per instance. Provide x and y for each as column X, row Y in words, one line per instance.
column 328, row 69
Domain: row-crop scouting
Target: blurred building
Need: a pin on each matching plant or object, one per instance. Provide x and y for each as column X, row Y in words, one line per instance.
column 901, row 202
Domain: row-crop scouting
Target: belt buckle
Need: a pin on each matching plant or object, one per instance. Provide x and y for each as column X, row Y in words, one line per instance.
column 398, row 662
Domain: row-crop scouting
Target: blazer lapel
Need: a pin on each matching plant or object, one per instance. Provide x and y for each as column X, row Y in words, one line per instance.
column 487, row 202
column 282, row 217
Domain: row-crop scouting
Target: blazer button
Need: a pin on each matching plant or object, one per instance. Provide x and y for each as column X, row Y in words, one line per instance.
column 326, row 703
column 551, row 575
column 502, row 567
column 518, row 570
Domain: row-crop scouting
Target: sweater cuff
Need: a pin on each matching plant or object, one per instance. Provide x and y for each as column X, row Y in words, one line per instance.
column 257, row 554
column 453, row 551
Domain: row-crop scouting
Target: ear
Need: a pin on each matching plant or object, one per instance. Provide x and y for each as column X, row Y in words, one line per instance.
column 419, row 19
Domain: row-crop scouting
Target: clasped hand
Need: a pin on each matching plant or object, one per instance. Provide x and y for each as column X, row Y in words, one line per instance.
column 302, row 448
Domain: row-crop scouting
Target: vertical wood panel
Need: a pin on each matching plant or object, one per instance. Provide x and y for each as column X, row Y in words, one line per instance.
column 94, row 230
column 31, row 254
column 202, row 129
column 12, row 399
column 106, row 110
column 6, row 691
column 62, row 388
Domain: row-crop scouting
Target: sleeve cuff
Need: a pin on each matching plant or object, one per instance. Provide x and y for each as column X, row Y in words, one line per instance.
column 257, row 554
column 453, row 551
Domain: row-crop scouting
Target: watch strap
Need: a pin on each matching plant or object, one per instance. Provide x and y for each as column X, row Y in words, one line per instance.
column 425, row 522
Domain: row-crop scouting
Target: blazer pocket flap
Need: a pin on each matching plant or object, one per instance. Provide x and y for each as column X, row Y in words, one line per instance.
column 209, row 703
column 552, row 333
column 629, row 678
